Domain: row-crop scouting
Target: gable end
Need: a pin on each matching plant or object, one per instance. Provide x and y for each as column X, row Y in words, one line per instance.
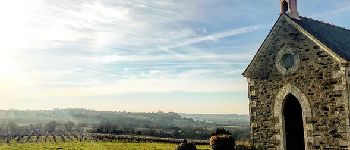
column 276, row 27
column 296, row 24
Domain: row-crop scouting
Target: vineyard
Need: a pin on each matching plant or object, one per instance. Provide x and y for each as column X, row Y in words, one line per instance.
column 82, row 122
column 79, row 128
column 94, row 146
column 92, row 141
column 72, row 137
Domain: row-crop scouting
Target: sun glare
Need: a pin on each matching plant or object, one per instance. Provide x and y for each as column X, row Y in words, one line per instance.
column 14, row 16
column 6, row 65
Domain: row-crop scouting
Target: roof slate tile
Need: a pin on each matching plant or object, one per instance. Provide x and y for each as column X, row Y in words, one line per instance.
column 336, row 38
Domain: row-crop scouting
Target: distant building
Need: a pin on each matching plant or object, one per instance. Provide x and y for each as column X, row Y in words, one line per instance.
column 299, row 85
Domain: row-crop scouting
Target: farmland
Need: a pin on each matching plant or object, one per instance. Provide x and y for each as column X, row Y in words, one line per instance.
column 21, row 124
column 93, row 146
column 89, row 129
column 94, row 141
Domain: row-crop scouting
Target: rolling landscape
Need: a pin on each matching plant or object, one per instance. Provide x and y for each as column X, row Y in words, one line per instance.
column 157, row 124
column 174, row 74
column 64, row 127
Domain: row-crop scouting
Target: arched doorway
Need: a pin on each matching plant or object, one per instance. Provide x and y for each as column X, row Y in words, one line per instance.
column 293, row 124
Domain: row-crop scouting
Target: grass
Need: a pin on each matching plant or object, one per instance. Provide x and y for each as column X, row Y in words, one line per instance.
column 94, row 146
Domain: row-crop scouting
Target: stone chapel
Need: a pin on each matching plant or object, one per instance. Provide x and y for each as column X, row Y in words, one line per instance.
column 299, row 85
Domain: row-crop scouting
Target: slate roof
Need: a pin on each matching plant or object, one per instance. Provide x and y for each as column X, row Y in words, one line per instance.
column 334, row 37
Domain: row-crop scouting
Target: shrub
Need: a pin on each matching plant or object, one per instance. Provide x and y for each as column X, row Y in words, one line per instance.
column 220, row 131
column 186, row 146
column 222, row 140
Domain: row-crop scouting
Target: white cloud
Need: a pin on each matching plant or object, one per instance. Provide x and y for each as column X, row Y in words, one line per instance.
column 216, row 58
column 150, row 86
column 97, row 47
column 214, row 36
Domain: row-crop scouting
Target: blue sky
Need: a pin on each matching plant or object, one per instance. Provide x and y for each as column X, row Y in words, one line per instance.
column 137, row 55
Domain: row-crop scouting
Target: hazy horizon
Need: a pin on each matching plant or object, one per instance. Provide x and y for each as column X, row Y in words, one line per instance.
column 91, row 109
column 137, row 55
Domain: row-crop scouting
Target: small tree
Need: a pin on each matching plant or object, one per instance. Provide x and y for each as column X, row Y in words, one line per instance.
column 222, row 139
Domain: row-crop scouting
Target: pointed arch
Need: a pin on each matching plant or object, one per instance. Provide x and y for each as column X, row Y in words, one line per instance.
column 290, row 89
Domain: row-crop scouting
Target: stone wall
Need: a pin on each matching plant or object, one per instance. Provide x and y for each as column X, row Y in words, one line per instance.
column 319, row 78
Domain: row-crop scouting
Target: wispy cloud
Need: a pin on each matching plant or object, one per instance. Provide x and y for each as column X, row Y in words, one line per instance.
column 142, row 85
column 214, row 36
column 217, row 58
column 83, row 48
column 71, row 49
column 336, row 11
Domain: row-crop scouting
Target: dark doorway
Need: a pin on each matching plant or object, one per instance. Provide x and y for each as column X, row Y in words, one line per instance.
column 284, row 7
column 293, row 123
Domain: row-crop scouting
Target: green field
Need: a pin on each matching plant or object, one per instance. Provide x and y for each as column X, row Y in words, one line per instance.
column 94, row 146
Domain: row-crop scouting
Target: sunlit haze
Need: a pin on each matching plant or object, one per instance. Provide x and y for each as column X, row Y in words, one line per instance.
column 137, row 55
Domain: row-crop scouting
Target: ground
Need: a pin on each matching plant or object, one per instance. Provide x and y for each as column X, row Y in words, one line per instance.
column 94, row 146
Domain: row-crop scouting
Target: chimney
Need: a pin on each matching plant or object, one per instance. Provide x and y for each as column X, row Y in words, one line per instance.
column 290, row 7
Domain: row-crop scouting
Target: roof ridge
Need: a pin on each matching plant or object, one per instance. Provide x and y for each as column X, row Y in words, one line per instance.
column 326, row 23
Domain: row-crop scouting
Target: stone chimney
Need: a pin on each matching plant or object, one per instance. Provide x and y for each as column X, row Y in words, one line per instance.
column 290, row 7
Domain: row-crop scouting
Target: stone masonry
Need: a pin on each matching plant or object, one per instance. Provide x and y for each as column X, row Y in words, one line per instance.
column 320, row 82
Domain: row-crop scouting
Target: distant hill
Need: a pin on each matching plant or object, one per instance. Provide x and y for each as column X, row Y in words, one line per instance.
column 223, row 119
column 81, row 115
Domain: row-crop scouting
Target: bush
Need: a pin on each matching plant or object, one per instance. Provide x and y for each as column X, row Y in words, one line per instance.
column 222, row 140
column 220, row 131
column 186, row 146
